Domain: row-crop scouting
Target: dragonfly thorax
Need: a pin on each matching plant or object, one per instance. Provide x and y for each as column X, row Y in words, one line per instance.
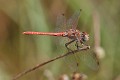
column 75, row 34
column 72, row 33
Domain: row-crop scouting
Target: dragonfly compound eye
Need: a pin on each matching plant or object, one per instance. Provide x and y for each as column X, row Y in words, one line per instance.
column 84, row 36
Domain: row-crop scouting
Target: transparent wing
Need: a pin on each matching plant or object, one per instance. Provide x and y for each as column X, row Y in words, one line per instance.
column 71, row 60
column 61, row 23
column 89, row 58
column 60, row 27
column 61, row 41
column 73, row 21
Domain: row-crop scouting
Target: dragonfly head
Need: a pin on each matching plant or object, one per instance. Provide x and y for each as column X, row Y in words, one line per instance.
column 84, row 36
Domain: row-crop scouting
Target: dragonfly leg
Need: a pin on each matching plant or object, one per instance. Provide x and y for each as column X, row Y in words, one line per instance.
column 78, row 47
column 66, row 45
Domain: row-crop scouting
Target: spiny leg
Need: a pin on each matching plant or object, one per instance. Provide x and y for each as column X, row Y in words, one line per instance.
column 78, row 47
column 66, row 45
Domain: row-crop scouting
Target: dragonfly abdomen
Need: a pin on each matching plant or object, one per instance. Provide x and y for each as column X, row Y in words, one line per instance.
column 44, row 33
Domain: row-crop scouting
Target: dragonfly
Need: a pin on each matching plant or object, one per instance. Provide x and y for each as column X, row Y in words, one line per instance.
column 68, row 30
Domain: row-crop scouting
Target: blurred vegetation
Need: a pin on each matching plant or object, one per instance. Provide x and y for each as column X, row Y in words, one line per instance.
column 19, row 52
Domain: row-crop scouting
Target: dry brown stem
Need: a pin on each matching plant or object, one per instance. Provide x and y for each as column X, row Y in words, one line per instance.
column 51, row 60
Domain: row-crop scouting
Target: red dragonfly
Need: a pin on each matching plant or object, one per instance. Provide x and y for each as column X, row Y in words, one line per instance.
column 69, row 31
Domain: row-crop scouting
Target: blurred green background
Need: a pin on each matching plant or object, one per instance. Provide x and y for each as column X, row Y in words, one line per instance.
column 18, row 52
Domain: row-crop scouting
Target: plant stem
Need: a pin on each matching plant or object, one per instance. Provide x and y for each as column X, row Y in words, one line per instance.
column 51, row 60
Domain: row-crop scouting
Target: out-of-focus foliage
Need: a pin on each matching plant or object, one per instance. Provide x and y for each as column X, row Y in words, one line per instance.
column 19, row 52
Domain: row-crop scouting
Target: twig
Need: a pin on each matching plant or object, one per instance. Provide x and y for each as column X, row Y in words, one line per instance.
column 51, row 60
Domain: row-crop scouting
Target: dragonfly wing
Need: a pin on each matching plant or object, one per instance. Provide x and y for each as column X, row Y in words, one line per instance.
column 89, row 58
column 73, row 21
column 60, row 27
column 71, row 60
column 61, row 23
